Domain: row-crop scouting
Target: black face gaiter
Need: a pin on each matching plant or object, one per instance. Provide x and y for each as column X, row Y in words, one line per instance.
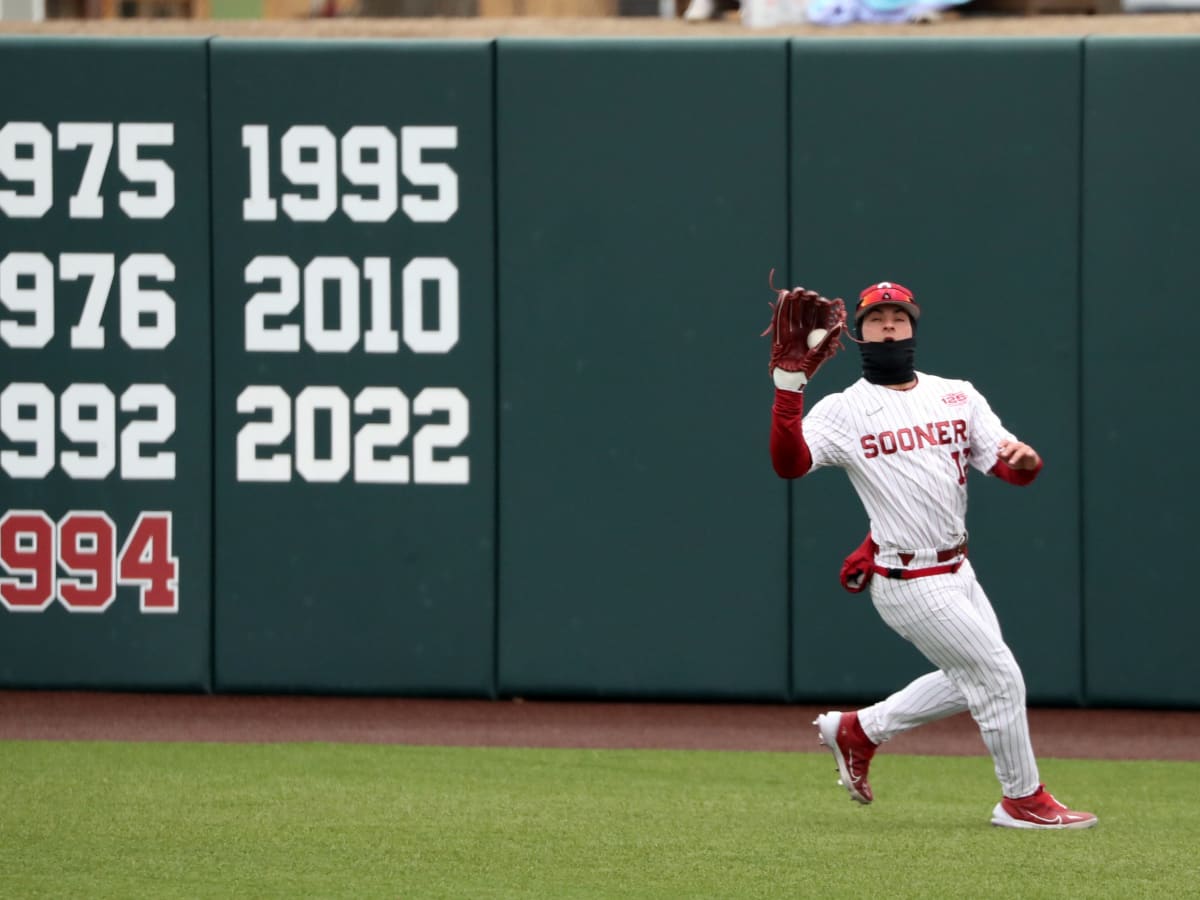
column 888, row 362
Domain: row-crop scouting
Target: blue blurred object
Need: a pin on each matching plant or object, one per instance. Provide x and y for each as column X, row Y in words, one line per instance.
column 843, row 12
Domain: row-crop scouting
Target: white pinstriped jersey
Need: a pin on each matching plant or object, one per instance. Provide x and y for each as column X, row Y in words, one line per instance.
column 906, row 453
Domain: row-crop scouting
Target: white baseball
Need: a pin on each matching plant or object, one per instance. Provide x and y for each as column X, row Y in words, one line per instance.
column 816, row 336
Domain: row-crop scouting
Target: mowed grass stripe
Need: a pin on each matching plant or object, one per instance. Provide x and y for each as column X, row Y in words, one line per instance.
column 335, row 820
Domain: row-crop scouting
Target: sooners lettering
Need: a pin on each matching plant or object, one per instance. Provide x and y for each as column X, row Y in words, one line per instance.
column 931, row 434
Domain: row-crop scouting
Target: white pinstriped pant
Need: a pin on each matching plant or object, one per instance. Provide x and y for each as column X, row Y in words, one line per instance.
column 950, row 620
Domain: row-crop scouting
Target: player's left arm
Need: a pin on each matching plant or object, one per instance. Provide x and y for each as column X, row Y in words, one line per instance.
column 995, row 450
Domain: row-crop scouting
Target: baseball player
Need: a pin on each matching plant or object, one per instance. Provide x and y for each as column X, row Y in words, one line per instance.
column 906, row 439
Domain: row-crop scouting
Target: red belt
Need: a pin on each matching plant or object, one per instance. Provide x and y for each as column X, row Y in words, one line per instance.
column 942, row 556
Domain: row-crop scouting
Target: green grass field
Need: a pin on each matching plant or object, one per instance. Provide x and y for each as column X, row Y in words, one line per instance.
column 333, row 820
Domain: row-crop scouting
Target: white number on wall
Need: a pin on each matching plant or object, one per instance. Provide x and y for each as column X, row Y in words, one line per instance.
column 341, row 276
column 131, row 138
column 139, row 301
column 270, row 432
column 313, row 160
column 435, row 436
column 87, row 203
column 27, row 417
column 376, row 456
column 136, row 464
column 415, row 139
column 27, row 289
column 35, row 298
column 86, row 416
column 380, row 436
column 98, row 269
column 369, row 161
column 26, row 149
column 308, row 159
column 337, row 277
column 27, row 164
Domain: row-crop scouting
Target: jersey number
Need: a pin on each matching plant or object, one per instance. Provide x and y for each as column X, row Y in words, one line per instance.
column 960, row 461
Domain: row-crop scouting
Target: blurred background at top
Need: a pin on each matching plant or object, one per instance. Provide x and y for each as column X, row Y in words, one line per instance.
column 696, row 12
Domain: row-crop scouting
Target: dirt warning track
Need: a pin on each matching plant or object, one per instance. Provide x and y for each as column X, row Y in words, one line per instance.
column 81, row 715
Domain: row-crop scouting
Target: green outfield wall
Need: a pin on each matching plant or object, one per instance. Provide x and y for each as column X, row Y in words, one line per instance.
column 972, row 201
column 354, row 304
column 105, row 365
column 1139, row 498
column 434, row 368
column 643, row 535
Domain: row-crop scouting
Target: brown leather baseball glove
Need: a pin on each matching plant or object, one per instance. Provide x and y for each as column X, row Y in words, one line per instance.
column 798, row 316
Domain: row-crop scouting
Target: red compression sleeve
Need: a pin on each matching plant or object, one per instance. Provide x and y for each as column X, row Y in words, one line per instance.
column 789, row 453
column 1019, row 477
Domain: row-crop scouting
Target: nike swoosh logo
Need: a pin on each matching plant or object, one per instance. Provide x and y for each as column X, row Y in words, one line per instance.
column 850, row 766
column 872, row 412
column 1057, row 820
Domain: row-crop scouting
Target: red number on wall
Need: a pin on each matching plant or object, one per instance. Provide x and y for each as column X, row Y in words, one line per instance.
column 27, row 552
column 146, row 560
column 86, row 548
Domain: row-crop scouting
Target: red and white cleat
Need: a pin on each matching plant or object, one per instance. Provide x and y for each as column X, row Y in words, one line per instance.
column 1039, row 810
column 851, row 749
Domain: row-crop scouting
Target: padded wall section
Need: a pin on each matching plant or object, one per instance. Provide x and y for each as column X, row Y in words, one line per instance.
column 951, row 167
column 105, row 367
column 1140, row 232
column 354, row 279
column 642, row 203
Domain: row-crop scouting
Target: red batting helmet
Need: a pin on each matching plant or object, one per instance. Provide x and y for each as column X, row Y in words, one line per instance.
column 886, row 292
